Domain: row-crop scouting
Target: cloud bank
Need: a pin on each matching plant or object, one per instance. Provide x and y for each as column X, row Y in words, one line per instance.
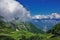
column 51, row 16
column 10, row 9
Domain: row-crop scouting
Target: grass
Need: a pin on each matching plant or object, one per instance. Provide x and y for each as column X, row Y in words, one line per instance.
column 18, row 34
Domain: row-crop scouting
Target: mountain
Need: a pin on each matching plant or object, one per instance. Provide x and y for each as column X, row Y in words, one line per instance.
column 45, row 24
column 18, row 25
column 16, row 30
column 49, row 17
column 56, row 29
column 27, row 26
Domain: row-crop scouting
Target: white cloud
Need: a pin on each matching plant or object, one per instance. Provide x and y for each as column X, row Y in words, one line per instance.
column 11, row 8
column 51, row 16
column 55, row 15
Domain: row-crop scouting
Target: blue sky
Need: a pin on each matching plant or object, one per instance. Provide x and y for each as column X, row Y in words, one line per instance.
column 41, row 6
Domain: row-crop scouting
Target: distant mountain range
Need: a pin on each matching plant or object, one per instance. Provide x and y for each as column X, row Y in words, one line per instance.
column 51, row 16
column 45, row 24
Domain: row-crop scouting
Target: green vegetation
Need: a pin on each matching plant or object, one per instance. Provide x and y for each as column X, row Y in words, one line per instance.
column 56, row 32
column 15, row 30
column 56, row 29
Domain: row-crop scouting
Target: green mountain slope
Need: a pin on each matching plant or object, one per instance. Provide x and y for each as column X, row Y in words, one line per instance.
column 27, row 26
column 16, row 30
column 56, row 29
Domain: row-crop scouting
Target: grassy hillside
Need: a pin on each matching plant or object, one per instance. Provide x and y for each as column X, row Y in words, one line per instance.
column 56, row 32
column 16, row 30
column 27, row 26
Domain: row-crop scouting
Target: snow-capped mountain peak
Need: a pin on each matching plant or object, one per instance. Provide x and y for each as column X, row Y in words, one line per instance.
column 51, row 16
